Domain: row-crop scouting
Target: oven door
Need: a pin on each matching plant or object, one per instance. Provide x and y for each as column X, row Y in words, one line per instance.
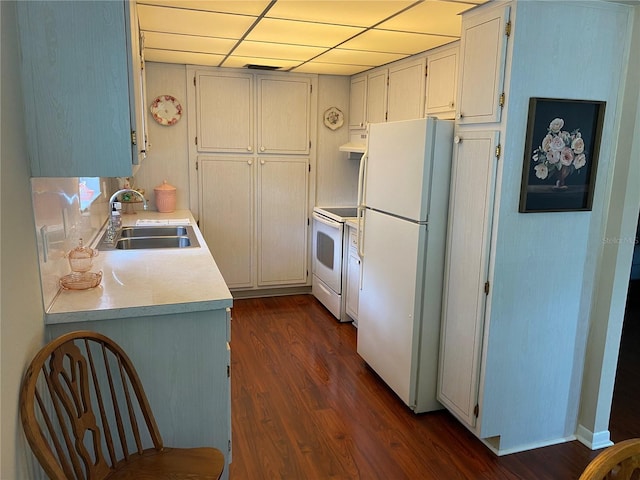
column 327, row 251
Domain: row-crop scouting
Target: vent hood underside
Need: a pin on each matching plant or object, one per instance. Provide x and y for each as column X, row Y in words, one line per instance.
column 352, row 147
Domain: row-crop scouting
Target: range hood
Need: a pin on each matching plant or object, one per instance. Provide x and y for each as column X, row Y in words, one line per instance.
column 353, row 147
column 357, row 143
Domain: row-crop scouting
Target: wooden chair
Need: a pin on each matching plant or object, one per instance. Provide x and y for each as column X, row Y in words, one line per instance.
column 618, row 462
column 86, row 416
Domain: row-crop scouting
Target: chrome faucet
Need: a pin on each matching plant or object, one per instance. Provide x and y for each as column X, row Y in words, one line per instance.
column 112, row 230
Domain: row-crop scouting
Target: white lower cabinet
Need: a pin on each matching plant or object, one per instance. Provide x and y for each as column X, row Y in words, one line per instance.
column 246, row 198
column 282, row 210
column 227, row 215
column 353, row 275
column 466, row 271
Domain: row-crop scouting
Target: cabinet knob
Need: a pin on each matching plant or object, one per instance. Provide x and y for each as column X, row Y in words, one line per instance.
column 459, row 116
column 457, row 139
column 249, row 148
column 262, row 161
column 452, row 104
column 262, row 149
column 249, row 162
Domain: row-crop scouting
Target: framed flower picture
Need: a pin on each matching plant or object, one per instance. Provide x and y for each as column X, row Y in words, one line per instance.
column 561, row 155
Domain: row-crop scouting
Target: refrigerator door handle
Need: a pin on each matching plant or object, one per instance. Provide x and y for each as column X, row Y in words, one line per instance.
column 361, row 206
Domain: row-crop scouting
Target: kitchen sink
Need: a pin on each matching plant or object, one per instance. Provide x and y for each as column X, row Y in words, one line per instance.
column 144, row 238
column 131, row 232
column 152, row 242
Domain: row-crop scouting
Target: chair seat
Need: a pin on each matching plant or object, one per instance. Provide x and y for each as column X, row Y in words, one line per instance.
column 172, row 464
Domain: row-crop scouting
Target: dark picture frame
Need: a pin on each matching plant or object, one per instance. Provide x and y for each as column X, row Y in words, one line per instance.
column 561, row 155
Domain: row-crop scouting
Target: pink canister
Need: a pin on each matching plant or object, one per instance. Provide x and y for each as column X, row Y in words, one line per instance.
column 165, row 197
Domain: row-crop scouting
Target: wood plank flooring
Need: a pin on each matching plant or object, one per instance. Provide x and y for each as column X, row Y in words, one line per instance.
column 306, row 406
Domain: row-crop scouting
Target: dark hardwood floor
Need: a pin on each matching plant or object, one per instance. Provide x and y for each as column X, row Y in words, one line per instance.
column 306, row 406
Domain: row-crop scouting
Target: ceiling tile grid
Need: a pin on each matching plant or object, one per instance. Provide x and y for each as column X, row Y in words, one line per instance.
column 336, row 37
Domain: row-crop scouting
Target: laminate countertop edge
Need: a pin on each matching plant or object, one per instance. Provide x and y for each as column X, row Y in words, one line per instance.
column 146, row 282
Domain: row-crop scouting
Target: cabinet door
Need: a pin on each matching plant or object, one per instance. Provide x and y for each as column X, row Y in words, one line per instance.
column 466, row 271
column 75, row 78
column 282, row 220
column 283, row 115
column 377, row 96
column 227, row 215
column 353, row 284
column 406, row 91
column 483, row 48
column 442, row 71
column 138, row 101
column 358, row 102
column 224, row 112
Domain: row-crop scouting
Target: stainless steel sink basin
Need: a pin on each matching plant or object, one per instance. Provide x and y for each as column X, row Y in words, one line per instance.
column 152, row 242
column 129, row 232
column 142, row 238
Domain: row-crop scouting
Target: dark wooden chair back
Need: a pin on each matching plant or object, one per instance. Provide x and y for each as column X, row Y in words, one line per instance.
column 618, row 462
column 86, row 416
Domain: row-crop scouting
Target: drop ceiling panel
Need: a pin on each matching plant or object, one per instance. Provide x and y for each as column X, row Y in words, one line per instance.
column 339, row 12
column 434, row 17
column 301, row 33
column 358, row 57
column 244, row 7
column 188, row 43
column 187, row 58
column 330, row 68
column 277, row 50
column 192, row 22
column 396, row 42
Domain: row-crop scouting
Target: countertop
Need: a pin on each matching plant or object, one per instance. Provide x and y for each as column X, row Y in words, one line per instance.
column 146, row 282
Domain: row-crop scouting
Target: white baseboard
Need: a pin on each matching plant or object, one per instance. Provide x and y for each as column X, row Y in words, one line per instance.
column 594, row 441
column 529, row 446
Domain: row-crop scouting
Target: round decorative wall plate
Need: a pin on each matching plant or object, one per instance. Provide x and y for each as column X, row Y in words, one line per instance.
column 166, row 110
column 333, row 118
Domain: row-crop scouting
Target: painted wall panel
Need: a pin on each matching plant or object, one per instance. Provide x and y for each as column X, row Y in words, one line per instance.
column 543, row 264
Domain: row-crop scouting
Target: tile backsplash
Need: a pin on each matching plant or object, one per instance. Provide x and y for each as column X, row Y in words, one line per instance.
column 66, row 210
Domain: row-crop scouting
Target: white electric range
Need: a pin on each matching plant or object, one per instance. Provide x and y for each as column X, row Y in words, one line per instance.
column 330, row 247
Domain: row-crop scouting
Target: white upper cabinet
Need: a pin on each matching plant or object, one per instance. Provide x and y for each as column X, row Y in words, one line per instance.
column 405, row 94
column 388, row 94
column 246, row 113
column 284, row 113
column 377, row 96
column 225, row 110
column 79, row 87
column 442, row 73
column 482, row 66
column 358, row 102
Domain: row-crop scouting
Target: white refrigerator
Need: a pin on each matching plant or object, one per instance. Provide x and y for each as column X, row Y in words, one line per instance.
column 403, row 195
